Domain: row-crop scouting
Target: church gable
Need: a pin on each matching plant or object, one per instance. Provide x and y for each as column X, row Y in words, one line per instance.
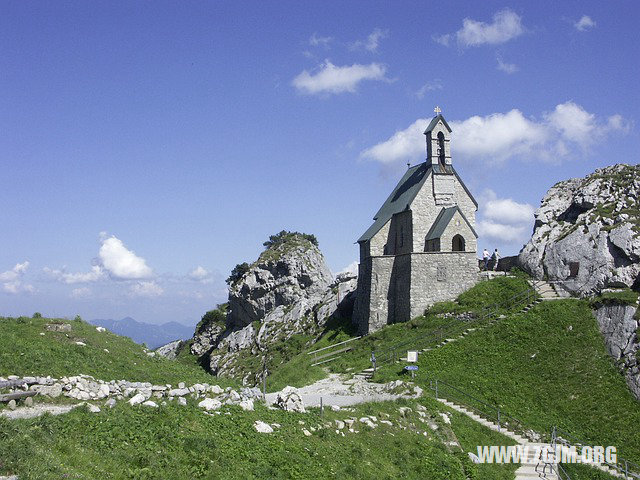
column 451, row 232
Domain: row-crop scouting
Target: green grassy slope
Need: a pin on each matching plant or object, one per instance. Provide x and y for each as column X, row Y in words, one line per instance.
column 183, row 442
column 547, row 367
column 25, row 351
column 296, row 371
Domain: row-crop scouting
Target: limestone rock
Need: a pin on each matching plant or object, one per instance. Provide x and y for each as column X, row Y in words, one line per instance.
column 587, row 232
column 210, row 404
column 171, row 349
column 262, row 427
column 289, row 400
column 622, row 339
column 282, row 276
column 136, row 399
column 289, row 290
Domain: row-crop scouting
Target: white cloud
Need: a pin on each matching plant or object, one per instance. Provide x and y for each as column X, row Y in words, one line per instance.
column 351, row 268
column 372, row 42
column 585, row 23
column 96, row 273
column 405, row 144
column 17, row 271
column 500, row 232
column 442, row 39
column 506, row 25
column 316, row 40
column 428, row 87
column 12, row 279
column 502, row 136
column 333, row 79
column 146, row 289
column 81, row 292
column 504, row 220
column 200, row 274
column 499, row 135
column 120, row 262
column 507, row 67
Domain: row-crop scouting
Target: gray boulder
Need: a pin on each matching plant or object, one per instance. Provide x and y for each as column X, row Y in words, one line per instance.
column 587, row 232
column 289, row 399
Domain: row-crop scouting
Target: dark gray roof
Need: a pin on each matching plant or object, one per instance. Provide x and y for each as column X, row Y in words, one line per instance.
column 404, row 193
column 400, row 199
column 434, row 122
column 443, row 219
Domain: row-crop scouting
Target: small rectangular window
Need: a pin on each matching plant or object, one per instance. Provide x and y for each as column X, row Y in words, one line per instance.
column 574, row 268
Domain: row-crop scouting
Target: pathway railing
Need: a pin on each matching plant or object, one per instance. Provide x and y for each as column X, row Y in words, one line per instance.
column 623, row 466
column 494, row 413
column 331, row 352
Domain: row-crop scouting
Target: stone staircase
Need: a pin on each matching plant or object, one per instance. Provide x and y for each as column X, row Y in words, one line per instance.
column 533, row 467
column 546, row 290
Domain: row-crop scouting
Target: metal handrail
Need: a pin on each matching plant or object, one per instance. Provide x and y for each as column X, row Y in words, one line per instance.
column 629, row 469
column 500, row 417
column 334, row 345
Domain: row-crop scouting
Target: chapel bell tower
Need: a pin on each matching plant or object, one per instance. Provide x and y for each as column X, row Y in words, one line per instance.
column 438, row 141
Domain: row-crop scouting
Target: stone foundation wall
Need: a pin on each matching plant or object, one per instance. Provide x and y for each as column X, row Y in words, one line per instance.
column 401, row 287
column 440, row 276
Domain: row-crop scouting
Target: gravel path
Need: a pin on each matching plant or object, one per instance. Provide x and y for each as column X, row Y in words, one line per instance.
column 334, row 390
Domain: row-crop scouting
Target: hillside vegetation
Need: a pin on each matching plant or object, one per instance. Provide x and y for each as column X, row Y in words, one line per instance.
column 28, row 347
column 494, row 297
column 183, row 442
column 546, row 367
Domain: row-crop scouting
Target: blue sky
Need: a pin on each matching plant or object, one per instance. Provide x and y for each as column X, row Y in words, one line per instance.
column 148, row 147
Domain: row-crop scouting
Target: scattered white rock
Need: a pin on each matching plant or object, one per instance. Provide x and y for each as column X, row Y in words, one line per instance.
column 445, row 418
column 101, row 329
column 289, row 400
column 150, row 403
column 306, row 432
column 210, row 404
column 82, row 344
column 182, row 401
column 262, row 427
column 137, row 398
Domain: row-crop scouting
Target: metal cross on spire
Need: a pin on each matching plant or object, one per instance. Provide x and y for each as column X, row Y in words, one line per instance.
column 437, row 110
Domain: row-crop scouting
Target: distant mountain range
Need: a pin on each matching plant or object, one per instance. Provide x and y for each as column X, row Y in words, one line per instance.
column 153, row 335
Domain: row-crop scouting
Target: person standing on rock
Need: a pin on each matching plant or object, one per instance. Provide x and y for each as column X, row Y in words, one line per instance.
column 495, row 257
column 485, row 257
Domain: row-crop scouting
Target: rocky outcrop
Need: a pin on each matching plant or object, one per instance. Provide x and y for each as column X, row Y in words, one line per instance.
column 587, row 232
column 619, row 328
column 288, row 291
column 171, row 349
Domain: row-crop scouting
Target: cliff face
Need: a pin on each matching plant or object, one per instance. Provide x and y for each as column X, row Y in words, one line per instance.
column 289, row 290
column 587, row 232
column 619, row 327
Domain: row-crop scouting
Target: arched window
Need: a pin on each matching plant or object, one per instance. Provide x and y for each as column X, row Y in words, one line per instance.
column 441, row 149
column 457, row 244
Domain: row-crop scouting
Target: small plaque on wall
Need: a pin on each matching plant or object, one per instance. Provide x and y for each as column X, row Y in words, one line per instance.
column 441, row 273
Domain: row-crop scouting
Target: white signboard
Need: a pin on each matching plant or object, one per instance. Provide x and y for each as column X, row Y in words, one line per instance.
column 412, row 356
